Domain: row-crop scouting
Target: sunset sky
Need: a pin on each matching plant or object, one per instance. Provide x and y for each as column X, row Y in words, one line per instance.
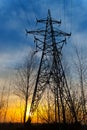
column 18, row 15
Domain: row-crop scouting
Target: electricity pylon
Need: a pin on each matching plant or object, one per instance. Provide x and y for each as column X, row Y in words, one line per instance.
column 51, row 72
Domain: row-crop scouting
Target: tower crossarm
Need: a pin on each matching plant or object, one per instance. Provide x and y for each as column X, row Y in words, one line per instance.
column 55, row 32
column 37, row 32
column 53, row 21
column 61, row 33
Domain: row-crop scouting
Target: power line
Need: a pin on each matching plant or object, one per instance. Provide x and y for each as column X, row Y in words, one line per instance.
column 25, row 12
column 64, row 13
column 71, row 13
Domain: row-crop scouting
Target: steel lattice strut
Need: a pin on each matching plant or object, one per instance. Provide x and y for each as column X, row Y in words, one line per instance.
column 50, row 68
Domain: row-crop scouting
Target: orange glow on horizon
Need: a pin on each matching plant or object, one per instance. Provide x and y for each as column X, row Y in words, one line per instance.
column 15, row 113
column 27, row 113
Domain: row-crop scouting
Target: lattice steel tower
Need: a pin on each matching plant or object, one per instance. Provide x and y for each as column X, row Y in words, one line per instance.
column 51, row 72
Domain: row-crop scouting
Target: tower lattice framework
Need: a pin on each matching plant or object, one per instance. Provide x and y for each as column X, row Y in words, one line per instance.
column 51, row 72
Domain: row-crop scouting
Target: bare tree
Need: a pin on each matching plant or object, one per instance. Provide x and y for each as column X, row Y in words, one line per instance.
column 81, row 68
column 7, row 102
column 2, row 100
column 77, row 85
column 45, row 110
column 25, row 80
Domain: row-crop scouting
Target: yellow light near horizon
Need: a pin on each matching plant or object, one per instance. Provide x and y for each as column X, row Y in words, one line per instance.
column 27, row 113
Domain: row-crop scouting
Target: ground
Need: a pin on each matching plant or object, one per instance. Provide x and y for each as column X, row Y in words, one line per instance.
column 16, row 126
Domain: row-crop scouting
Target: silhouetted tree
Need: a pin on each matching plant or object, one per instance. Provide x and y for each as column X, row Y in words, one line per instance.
column 2, row 100
column 25, row 79
column 81, row 69
column 7, row 96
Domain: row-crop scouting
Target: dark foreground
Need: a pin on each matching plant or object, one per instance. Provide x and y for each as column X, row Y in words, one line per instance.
column 17, row 126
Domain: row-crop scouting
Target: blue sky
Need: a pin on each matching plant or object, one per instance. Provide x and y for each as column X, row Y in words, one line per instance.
column 16, row 15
